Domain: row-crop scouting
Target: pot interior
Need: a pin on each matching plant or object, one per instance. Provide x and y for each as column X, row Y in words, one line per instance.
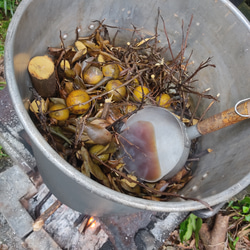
column 217, row 31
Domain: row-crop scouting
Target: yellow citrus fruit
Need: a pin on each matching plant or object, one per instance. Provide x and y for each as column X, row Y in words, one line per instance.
column 92, row 75
column 118, row 93
column 77, row 99
column 130, row 108
column 60, row 112
column 111, row 70
column 139, row 91
column 95, row 150
column 162, row 100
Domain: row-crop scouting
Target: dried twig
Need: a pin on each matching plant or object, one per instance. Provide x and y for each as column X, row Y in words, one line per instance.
column 39, row 222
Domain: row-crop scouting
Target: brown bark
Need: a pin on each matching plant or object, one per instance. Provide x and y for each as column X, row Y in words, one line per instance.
column 215, row 239
column 42, row 73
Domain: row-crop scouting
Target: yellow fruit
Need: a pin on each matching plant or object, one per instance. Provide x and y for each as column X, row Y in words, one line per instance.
column 118, row 93
column 130, row 108
column 76, row 99
column 139, row 91
column 61, row 113
column 97, row 151
column 111, row 70
column 162, row 100
column 92, row 75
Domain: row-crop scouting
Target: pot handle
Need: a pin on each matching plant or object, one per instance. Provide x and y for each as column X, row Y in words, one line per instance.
column 240, row 112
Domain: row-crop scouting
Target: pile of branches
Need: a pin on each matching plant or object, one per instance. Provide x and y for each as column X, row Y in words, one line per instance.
column 89, row 140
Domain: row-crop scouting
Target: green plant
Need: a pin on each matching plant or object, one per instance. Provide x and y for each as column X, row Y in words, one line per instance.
column 3, row 30
column 190, row 226
column 240, row 218
column 2, row 154
column 241, row 208
column 9, row 6
column 7, row 9
column 2, row 85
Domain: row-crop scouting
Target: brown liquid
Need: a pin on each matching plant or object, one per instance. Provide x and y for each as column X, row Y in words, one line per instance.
column 139, row 150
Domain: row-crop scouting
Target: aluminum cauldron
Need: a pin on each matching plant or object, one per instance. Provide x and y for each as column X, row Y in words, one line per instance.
column 218, row 30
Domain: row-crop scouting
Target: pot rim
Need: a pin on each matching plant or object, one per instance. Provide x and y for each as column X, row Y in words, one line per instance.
column 70, row 171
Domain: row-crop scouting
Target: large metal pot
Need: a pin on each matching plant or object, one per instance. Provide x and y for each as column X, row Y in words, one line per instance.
column 218, row 30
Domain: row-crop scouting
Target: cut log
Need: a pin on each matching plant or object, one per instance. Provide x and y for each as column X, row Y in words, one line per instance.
column 42, row 73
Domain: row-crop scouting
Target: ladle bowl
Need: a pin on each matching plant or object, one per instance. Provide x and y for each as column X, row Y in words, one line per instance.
column 170, row 138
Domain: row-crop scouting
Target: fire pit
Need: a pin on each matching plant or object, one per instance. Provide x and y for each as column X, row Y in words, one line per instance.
column 219, row 31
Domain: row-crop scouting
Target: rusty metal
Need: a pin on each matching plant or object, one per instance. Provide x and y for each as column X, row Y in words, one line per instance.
column 224, row 119
column 248, row 107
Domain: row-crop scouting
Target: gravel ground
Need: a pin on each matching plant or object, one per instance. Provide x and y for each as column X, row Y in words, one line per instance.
column 8, row 239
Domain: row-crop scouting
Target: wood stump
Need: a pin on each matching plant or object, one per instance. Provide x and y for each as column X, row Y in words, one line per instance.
column 42, row 73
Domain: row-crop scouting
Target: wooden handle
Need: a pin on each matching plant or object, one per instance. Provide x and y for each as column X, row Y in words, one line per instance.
column 224, row 119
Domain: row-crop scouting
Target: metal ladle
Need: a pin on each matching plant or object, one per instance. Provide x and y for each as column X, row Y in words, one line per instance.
column 155, row 144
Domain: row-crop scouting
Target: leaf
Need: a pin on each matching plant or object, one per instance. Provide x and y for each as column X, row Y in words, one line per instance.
column 189, row 230
column 197, row 229
column 236, row 217
column 192, row 218
column 190, row 225
column 245, row 209
column 79, row 54
column 39, row 106
column 183, row 229
column 235, row 241
column 85, row 168
column 186, row 228
column 247, row 217
column 245, row 201
column 230, row 204
column 133, row 190
column 128, row 183
column 93, row 168
column 236, row 207
column 98, row 134
column 56, row 130
column 57, row 100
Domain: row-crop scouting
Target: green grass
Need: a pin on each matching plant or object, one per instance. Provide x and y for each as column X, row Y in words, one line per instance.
column 3, row 30
column 7, row 9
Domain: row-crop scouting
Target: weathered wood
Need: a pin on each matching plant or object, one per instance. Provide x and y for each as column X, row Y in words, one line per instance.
column 38, row 224
column 42, row 73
